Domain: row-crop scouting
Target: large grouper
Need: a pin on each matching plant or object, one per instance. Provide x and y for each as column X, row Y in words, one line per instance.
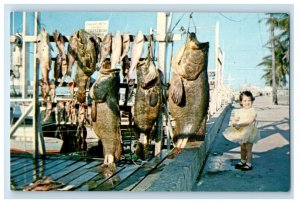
column 106, row 115
column 147, row 104
column 189, row 93
column 85, row 50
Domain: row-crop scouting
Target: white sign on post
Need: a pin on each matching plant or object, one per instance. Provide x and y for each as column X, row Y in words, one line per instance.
column 97, row 28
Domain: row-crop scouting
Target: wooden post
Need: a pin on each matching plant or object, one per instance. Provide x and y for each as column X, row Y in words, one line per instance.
column 38, row 138
column 161, row 30
column 24, row 47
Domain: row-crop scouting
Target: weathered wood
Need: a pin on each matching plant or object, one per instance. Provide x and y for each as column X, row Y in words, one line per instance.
column 29, row 176
column 18, row 161
column 12, row 159
column 133, row 180
column 27, row 166
column 96, row 181
column 77, row 173
column 117, row 179
column 153, row 175
column 46, row 172
column 67, row 170
column 80, row 180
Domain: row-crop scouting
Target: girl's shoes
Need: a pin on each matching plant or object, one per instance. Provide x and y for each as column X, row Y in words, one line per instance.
column 239, row 165
column 246, row 167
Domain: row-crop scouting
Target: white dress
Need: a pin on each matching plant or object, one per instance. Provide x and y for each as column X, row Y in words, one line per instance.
column 245, row 134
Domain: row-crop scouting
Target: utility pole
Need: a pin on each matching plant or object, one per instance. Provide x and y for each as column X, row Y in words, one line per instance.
column 274, row 86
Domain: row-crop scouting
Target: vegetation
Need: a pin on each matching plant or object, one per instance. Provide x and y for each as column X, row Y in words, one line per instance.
column 277, row 64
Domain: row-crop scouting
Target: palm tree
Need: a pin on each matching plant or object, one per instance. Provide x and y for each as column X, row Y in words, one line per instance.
column 282, row 67
column 277, row 64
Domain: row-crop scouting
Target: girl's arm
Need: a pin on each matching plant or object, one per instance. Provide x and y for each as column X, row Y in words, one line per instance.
column 250, row 120
column 235, row 119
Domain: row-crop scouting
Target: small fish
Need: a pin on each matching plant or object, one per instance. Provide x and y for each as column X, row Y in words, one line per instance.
column 71, row 54
column 125, row 66
column 98, row 50
column 62, row 59
column 52, row 91
column 60, row 43
column 48, row 111
column 126, row 45
column 71, row 86
column 74, row 118
column 45, row 88
column 105, row 49
column 59, row 112
column 136, row 53
column 68, row 112
column 44, row 56
column 116, row 49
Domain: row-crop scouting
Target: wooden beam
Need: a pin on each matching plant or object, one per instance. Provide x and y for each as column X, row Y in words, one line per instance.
column 24, row 60
column 20, row 120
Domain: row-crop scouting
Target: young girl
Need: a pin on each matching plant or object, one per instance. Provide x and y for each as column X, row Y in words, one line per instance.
column 244, row 130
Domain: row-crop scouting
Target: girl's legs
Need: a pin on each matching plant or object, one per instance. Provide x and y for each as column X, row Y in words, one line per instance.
column 243, row 152
column 248, row 165
column 249, row 152
column 243, row 157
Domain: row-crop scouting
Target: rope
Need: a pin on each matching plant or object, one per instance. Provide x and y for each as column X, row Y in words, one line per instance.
column 177, row 23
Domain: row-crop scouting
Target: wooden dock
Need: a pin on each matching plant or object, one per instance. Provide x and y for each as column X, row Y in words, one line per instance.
column 71, row 173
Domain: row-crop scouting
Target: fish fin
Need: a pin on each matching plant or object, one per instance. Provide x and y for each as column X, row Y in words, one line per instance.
column 153, row 99
column 94, row 111
column 152, row 75
column 176, row 90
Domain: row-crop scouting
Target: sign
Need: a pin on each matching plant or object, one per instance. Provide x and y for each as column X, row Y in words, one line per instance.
column 97, row 28
column 211, row 79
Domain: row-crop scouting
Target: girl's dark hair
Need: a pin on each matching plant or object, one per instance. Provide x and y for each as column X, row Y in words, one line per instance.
column 248, row 94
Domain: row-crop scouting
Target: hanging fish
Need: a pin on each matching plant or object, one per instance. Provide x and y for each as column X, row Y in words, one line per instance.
column 106, row 115
column 116, row 49
column 74, row 119
column 44, row 56
column 45, row 88
column 105, row 49
column 125, row 67
column 84, row 46
column 81, row 133
column 62, row 59
column 136, row 53
column 59, row 112
column 52, row 90
column 189, row 92
column 125, row 45
column 98, row 50
column 68, row 112
column 71, row 54
column 148, row 102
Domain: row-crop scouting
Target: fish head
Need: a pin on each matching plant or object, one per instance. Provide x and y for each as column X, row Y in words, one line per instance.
column 107, row 38
column 126, row 37
column 139, row 37
column 194, row 44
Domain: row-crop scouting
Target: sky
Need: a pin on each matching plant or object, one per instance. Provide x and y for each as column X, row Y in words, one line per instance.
column 241, row 36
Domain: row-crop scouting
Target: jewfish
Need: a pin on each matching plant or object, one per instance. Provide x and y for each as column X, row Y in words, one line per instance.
column 106, row 115
column 189, row 92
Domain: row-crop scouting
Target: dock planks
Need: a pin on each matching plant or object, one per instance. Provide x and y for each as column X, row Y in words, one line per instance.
column 80, row 173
